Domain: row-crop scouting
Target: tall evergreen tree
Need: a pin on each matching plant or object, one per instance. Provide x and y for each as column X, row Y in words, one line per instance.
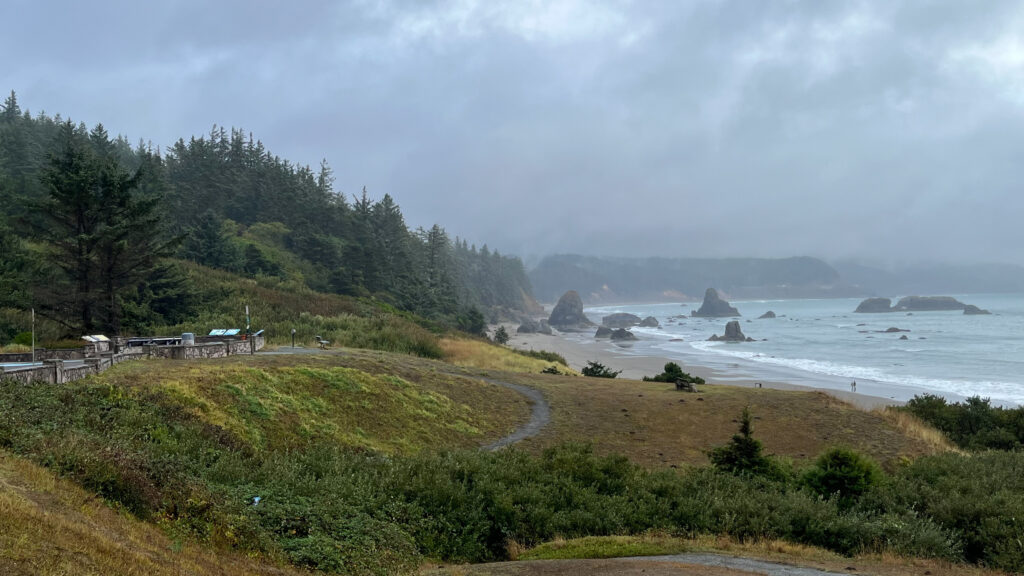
column 101, row 231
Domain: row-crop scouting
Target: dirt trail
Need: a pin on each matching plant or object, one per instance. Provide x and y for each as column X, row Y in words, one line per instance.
column 540, row 414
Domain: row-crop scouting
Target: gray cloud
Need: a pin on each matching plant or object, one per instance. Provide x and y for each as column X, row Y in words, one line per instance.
column 883, row 130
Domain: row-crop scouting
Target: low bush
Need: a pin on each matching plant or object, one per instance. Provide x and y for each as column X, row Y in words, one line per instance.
column 842, row 474
column 544, row 355
column 674, row 373
column 598, row 370
column 973, row 424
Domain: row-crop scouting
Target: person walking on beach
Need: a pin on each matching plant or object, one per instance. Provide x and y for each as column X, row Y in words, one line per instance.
column 853, row 386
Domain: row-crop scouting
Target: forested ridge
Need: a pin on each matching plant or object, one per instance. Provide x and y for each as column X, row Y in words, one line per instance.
column 93, row 227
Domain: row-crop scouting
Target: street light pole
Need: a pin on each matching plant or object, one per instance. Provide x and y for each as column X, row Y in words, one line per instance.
column 33, row 335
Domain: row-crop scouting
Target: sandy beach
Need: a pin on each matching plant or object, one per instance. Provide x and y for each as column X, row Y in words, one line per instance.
column 579, row 352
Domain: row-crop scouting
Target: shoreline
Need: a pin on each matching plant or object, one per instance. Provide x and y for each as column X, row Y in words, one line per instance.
column 634, row 366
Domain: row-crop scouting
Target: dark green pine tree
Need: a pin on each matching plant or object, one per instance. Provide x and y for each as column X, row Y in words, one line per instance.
column 206, row 244
column 133, row 241
column 101, row 232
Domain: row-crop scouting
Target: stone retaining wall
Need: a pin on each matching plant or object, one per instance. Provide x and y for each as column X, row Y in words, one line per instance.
column 54, row 371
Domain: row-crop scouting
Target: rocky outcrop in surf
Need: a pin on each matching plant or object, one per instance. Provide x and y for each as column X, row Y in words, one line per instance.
column 972, row 310
column 623, row 334
column 912, row 304
column 714, row 306
column 620, row 320
column 732, row 334
column 927, row 304
column 874, row 305
column 568, row 314
column 766, row 315
column 649, row 322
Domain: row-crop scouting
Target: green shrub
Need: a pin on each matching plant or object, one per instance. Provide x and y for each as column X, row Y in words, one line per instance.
column 674, row 373
column 543, row 355
column 978, row 499
column 843, row 474
column 598, row 370
column 974, row 424
column 501, row 335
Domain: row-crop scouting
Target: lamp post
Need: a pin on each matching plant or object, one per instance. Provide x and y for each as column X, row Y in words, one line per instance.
column 293, row 337
column 33, row 335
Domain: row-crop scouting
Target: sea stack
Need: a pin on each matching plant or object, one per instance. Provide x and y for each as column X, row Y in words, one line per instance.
column 715, row 307
column 768, row 314
column 622, row 334
column 620, row 320
column 874, row 306
column 568, row 314
column 732, row 334
column 928, row 303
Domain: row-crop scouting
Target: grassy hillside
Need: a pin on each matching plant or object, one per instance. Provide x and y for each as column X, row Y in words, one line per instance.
column 366, row 462
column 278, row 306
column 654, row 425
column 49, row 526
column 284, row 402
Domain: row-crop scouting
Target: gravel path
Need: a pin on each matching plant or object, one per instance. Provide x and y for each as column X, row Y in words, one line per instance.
column 669, row 565
column 736, row 563
column 540, row 414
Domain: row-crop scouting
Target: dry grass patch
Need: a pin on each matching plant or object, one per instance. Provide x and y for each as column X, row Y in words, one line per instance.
column 655, row 425
column 916, row 428
column 49, row 526
column 477, row 354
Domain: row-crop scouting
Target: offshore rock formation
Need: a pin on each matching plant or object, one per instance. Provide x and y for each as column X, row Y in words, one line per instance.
column 912, row 304
column 715, row 307
column 732, row 334
column 768, row 314
column 568, row 314
column 649, row 322
column 874, row 305
column 623, row 334
column 603, row 332
column 972, row 310
column 620, row 320
column 928, row 303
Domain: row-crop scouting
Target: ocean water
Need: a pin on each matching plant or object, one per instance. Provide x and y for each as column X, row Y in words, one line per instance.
column 822, row 343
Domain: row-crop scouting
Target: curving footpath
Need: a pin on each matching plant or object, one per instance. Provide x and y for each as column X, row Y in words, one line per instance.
column 540, row 414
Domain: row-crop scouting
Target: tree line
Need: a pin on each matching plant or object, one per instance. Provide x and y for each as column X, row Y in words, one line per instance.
column 92, row 227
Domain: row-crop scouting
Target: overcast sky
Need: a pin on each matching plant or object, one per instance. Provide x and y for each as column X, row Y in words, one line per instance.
column 881, row 130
